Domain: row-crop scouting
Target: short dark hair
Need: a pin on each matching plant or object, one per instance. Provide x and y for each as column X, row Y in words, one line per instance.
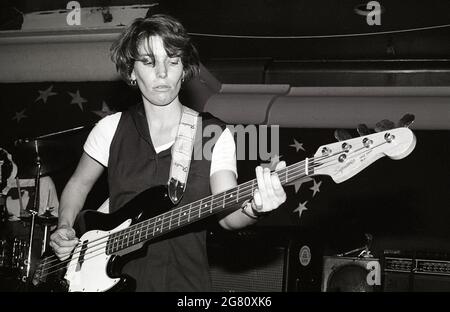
column 177, row 43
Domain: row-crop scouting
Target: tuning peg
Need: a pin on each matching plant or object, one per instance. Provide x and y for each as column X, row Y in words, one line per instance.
column 342, row 135
column 384, row 125
column 406, row 120
column 363, row 130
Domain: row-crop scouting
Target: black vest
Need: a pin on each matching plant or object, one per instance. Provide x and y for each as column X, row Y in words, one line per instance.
column 178, row 263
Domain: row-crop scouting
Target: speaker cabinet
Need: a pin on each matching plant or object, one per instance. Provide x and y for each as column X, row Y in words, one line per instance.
column 350, row 274
column 246, row 262
column 416, row 272
column 262, row 260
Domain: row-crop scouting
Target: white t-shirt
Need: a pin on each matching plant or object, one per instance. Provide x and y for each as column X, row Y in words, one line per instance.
column 48, row 198
column 99, row 141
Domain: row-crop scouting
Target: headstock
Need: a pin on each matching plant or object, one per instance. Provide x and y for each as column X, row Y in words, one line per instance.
column 344, row 159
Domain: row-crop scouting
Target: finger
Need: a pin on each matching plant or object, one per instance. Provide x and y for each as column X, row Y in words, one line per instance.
column 66, row 243
column 269, row 198
column 280, row 165
column 63, row 251
column 278, row 189
column 260, row 178
column 67, row 233
column 268, row 181
column 257, row 200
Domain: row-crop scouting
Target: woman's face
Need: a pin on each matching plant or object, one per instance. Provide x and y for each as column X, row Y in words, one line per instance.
column 159, row 79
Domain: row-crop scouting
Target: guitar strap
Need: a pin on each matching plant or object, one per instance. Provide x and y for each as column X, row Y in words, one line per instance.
column 182, row 154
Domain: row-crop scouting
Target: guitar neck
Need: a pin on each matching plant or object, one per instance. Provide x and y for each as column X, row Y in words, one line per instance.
column 200, row 209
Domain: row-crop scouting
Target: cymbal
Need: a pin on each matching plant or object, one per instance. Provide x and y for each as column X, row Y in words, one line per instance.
column 50, row 135
column 47, row 215
column 55, row 150
column 53, row 155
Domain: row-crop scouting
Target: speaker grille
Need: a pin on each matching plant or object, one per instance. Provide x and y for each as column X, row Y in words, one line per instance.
column 248, row 270
column 247, row 261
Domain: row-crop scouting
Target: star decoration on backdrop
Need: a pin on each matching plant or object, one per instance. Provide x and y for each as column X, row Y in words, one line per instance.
column 301, row 197
column 298, row 183
column 298, row 146
column 301, row 207
column 19, row 116
column 106, row 110
column 315, row 187
column 77, row 99
column 43, row 95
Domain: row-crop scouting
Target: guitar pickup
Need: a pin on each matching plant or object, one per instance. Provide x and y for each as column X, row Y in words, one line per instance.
column 81, row 256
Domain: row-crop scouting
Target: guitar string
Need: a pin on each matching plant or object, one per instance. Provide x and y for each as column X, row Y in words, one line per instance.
column 289, row 172
column 153, row 221
column 293, row 172
column 90, row 253
column 216, row 204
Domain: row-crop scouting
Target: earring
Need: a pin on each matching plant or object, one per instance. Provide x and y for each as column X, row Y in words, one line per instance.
column 133, row 82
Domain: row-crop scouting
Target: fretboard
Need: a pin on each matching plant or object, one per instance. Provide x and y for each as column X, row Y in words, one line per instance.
column 197, row 210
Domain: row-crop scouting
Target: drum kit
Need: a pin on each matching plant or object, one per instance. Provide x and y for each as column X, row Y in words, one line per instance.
column 32, row 159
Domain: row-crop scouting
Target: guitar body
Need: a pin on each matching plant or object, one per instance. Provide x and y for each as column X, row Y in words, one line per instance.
column 91, row 268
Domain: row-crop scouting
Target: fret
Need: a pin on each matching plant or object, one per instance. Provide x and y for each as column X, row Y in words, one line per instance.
column 131, row 234
column 170, row 220
column 108, row 243
column 155, row 226
column 231, row 195
column 237, row 194
column 127, row 238
column 189, row 215
column 203, row 205
column 168, row 216
column 179, row 216
column 120, row 241
column 146, row 228
column 162, row 223
column 200, row 210
column 137, row 234
column 123, row 239
column 142, row 232
column 224, row 197
column 211, row 205
column 183, row 214
column 116, row 242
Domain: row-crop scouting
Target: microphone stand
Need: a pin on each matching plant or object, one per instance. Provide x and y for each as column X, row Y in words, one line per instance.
column 3, row 211
column 34, row 211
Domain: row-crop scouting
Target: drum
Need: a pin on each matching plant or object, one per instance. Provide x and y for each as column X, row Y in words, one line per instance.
column 5, row 255
column 19, row 257
column 13, row 254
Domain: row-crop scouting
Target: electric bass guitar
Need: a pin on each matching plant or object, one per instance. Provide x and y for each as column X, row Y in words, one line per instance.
column 94, row 265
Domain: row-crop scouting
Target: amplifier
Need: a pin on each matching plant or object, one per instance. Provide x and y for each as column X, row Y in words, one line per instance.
column 246, row 261
column 416, row 272
column 264, row 260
